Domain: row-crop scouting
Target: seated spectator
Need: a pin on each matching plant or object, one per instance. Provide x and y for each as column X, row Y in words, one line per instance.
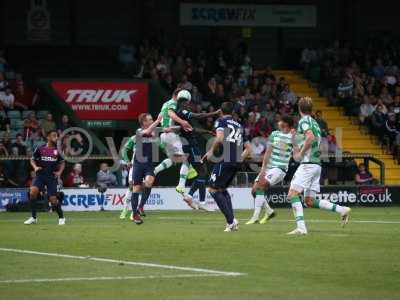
column 246, row 67
column 287, row 96
column 392, row 129
column 5, row 181
column 7, row 100
column 395, row 107
column 331, row 139
column 4, row 123
column 47, row 124
column 168, row 83
column 382, row 106
column 378, row 70
column 256, row 112
column 378, row 120
column 31, row 126
column 197, row 98
column 3, row 83
column 363, row 177
column 64, row 124
column 75, row 178
column 366, row 110
column 262, row 128
column 185, row 83
column 210, row 94
column 257, row 147
column 18, row 147
column 386, row 97
column 209, row 124
column 345, row 88
column 220, row 94
column 3, row 149
column 105, row 178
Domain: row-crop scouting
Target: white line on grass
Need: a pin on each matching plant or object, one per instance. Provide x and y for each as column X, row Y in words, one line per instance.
column 115, row 261
column 104, row 278
column 285, row 221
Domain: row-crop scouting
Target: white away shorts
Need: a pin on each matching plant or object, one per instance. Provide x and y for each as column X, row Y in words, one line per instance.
column 274, row 176
column 306, row 178
column 172, row 143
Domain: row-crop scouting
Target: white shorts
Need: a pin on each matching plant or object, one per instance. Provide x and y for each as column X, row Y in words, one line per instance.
column 306, row 178
column 172, row 143
column 274, row 176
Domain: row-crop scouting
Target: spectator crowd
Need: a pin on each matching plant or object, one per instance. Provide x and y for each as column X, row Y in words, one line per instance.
column 365, row 81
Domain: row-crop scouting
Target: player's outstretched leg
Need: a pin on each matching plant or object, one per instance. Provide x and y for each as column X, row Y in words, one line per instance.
column 343, row 211
column 127, row 203
column 297, row 207
column 165, row 164
column 182, row 178
column 33, row 195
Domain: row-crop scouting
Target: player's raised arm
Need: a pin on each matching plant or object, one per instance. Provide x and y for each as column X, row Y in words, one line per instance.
column 205, row 115
column 184, row 124
column 153, row 126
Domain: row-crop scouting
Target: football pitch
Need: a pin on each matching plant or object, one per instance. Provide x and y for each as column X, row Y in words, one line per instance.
column 186, row 255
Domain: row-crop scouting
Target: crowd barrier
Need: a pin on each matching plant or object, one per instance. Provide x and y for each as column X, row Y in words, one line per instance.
column 168, row 199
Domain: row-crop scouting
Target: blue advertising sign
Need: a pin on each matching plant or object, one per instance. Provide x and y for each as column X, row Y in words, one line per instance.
column 12, row 196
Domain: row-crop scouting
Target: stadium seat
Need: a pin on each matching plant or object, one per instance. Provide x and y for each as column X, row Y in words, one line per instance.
column 17, row 124
column 42, row 114
column 26, row 113
column 14, row 114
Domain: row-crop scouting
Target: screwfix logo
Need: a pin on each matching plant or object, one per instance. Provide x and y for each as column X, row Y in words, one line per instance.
column 97, row 100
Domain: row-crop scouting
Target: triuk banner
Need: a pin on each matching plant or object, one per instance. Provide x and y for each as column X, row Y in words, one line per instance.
column 104, row 100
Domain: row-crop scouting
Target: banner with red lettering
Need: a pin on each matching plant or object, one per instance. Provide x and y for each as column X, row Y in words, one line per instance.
column 104, row 100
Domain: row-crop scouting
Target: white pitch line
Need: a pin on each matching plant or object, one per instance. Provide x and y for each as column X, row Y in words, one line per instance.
column 115, row 261
column 104, row 278
column 285, row 221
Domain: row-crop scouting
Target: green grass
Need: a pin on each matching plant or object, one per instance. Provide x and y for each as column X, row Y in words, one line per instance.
column 361, row 261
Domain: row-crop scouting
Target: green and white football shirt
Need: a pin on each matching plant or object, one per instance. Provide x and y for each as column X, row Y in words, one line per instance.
column 282, row 147
column 313, row 154
column 166, row 120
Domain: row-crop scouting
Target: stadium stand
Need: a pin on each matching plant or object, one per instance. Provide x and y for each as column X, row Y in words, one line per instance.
column 361, row 88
